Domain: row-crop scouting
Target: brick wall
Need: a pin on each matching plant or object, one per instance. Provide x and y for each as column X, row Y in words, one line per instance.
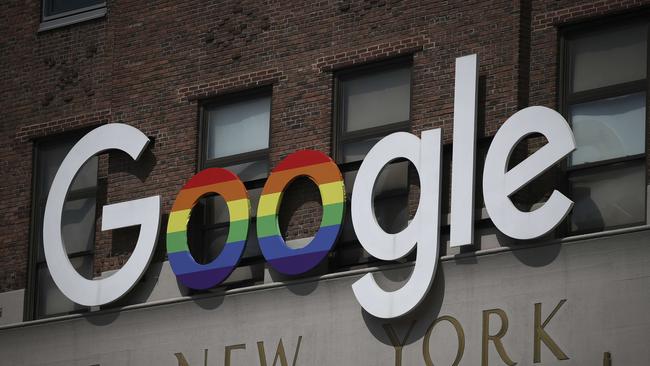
column 149, row 64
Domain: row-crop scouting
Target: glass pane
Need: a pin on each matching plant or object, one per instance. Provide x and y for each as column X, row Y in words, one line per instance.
column 214, row 241
column 609, row 57
column 351, row 255
column 391, row 197
column 50, row 157
column 355, row 151
column 49, row 299
column 393, row 178
column 377, row 99
column 78, row 225
column 254, row 195
column 347, row 232
column 252, row 244
column 62, row 6
column 239, row 127
column 251, row 171
column 38, row 229
column 348, row 180
column 392, row 212
column 87, row 176
column 608, row 198
column 609, row 128
column 216, row 210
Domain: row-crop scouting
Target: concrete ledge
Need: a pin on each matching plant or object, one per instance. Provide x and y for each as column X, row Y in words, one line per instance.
column 384, row 267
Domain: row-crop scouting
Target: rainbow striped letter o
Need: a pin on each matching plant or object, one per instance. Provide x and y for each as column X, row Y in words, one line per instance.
column 228, row 185
column 324, row 172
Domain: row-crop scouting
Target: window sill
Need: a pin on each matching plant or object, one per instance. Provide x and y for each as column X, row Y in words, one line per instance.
column 72, row 19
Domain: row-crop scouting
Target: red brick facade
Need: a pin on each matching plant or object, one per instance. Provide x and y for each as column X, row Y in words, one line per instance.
column 150, row 64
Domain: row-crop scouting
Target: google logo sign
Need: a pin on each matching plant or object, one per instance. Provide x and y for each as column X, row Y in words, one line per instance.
column 425, row 153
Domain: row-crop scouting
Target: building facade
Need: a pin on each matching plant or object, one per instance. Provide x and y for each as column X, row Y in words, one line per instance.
column 244, row 84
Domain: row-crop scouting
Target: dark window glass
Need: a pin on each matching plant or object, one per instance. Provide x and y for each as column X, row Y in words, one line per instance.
column 235, row 136
column 372, row 102
column 253, row 170
column 608, row 198
column 357, row 150
column 239, row 127
column 608, row 128
column 61, row 7
column 608, row 57
column 605, row 102
column 50, row 301
column 376, row 99
column 77, row 227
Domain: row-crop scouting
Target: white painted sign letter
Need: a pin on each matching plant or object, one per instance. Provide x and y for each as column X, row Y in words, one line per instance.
column 423, row 231
column 499, row 183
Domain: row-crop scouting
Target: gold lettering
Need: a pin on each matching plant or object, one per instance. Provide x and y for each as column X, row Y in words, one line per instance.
column 183, row 362
column 279, row 353
column 181, row 359
column 607, row 359
column 495, row 338
column 459, row 332
column 394, row 340
column 229, row 350
column 542, row 336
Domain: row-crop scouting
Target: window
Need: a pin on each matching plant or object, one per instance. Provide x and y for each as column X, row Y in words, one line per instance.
column 78, row 227
column 370, row 103
column 59, row 13
column 605, row 89
column 234, row 135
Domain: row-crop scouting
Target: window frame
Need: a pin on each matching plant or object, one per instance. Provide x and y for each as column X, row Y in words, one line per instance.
column 242, row 158
column 71, row 16
column 30, row 306
column 340, row 137
column 251, row 156
column 567, row 98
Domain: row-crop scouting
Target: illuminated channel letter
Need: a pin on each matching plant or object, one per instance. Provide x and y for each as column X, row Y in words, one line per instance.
column 499, row 182
column 144, row 212
column 187, row 270
column 423, row 231
column 323, row 172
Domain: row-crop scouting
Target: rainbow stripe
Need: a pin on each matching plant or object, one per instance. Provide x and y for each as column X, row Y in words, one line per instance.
column 187, row 270
column 323, row 171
